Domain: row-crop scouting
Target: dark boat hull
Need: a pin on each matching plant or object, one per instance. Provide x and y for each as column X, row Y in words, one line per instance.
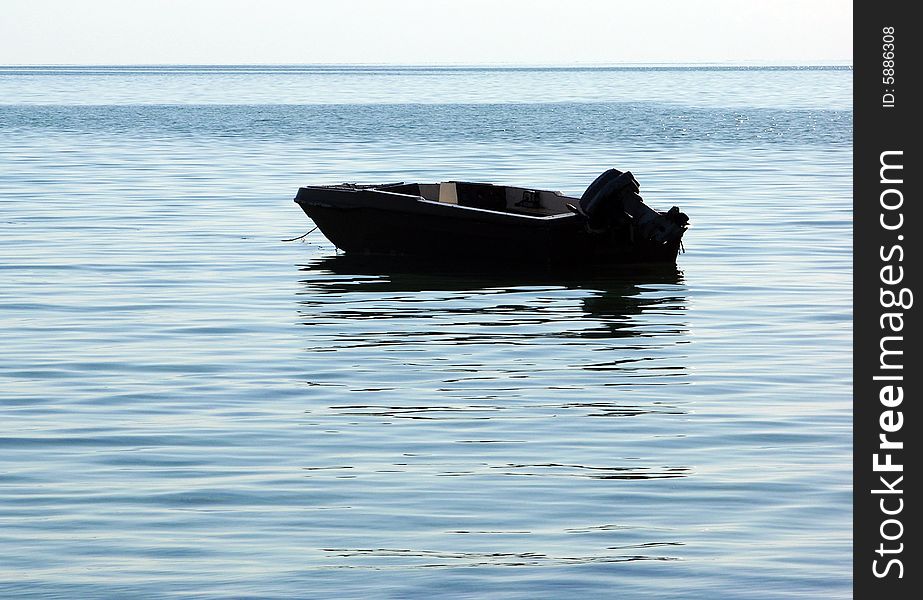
column 372, row 222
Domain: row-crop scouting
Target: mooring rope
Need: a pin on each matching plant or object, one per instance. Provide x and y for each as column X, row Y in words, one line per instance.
column 300, row 237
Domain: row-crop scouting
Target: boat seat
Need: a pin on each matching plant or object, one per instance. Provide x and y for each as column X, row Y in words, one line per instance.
column 448, row 193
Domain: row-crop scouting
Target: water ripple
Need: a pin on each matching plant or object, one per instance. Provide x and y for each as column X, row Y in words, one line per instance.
column 192, row 407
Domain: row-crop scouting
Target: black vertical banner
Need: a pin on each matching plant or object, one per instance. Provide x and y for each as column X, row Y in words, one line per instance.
column 887, row 366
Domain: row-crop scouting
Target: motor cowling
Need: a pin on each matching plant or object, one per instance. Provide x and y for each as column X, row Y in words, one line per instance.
column 613, row 198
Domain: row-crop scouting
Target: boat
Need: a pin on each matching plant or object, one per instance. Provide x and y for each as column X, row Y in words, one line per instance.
column 464, row 221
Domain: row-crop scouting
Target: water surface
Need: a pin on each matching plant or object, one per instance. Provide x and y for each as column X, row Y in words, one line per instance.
column 192, row 406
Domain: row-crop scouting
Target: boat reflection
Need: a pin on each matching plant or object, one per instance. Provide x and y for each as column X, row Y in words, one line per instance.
column 643, row 301
column 502, row 382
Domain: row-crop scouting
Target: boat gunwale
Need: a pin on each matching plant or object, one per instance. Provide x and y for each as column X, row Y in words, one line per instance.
column 424, row 201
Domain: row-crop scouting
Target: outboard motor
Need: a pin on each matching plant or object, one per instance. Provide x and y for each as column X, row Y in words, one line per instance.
column 613, row 198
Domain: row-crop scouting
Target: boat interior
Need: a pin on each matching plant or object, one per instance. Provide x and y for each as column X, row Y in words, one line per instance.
column 488, row 197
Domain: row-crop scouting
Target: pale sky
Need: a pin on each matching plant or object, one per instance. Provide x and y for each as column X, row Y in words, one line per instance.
column 417, row 32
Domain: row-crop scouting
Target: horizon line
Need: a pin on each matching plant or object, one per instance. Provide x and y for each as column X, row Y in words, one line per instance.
column 499, row 65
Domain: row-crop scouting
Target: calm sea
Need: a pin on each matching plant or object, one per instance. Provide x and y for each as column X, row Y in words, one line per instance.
column 192, row 407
